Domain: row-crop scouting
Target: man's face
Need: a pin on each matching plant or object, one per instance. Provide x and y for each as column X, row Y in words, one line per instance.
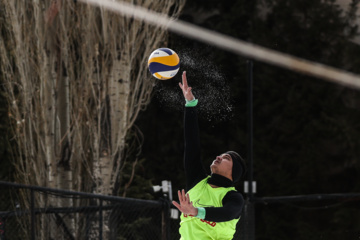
column 222, row 165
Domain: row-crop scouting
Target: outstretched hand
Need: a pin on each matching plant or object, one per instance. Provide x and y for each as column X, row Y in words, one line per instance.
column 185, row 88
column 185, row 205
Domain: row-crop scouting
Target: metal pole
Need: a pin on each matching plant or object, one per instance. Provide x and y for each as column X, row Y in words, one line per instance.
column 87, row 226
column 3, row 227
column 168, row 227
column 32, row 204
column 250, row 127
column 163, row 220
column 101, row 220
column 249, row 205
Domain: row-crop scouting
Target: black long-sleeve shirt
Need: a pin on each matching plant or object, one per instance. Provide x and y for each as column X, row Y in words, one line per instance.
column 233, row 201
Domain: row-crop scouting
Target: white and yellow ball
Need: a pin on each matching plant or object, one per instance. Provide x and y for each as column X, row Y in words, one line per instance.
column 164, row 63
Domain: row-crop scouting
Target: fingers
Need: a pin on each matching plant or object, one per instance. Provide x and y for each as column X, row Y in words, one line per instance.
column 180, row 196
column 177, row 205
column 185, row 205
column 184, row 80
column 186, row 197
column 181, row 86
column 184, row 84
column 183, row 198
column 185, row 88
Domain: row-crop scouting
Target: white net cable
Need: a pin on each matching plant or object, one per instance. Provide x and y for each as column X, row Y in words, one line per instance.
column 231, row 44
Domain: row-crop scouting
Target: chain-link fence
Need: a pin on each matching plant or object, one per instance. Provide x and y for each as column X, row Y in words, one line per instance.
column 28, row 212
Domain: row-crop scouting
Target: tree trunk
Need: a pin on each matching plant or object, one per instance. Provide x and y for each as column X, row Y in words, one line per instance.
column 76, row 78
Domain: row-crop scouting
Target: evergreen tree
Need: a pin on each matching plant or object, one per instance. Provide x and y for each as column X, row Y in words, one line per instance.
column 306, row 130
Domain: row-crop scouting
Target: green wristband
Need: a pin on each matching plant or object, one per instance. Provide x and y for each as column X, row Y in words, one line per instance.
column 191, row 103
column 201, row 212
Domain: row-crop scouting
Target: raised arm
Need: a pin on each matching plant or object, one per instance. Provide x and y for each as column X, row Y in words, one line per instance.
column 194, row 169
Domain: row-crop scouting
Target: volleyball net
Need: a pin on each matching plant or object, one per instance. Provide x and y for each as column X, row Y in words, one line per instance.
column 236, row 46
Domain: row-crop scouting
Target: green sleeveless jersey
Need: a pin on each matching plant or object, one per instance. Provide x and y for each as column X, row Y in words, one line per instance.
column 203, row 195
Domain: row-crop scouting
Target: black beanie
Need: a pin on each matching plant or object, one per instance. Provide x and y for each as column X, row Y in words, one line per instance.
column 239, row 166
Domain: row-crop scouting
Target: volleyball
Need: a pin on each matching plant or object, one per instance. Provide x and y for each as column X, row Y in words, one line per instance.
column 164, row 63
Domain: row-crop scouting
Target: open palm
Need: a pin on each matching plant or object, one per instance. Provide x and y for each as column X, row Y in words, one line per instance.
column 185, row 206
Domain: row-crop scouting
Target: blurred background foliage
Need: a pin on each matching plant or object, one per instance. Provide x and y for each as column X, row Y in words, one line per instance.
column 306, row 130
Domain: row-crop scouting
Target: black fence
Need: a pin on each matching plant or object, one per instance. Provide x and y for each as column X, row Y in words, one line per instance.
column 31, row 212
column 28, row 212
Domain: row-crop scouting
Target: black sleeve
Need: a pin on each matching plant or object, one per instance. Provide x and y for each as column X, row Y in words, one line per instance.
column 233, row 203
column 194, row 169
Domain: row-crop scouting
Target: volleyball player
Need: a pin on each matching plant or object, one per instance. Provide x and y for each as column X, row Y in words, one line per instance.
column 210, row 205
